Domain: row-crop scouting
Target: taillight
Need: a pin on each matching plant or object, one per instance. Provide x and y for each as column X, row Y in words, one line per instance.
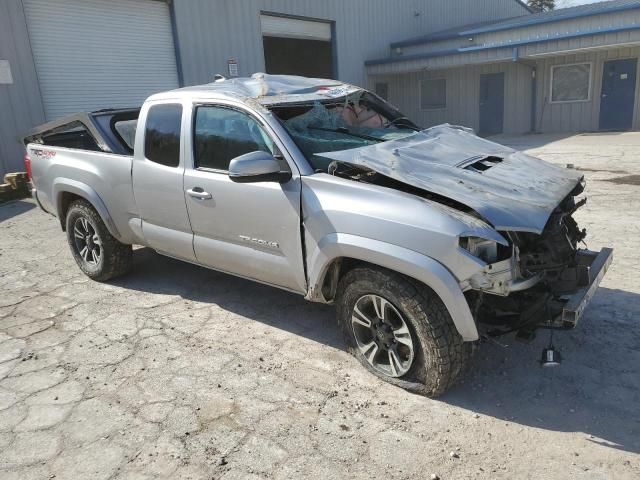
column 27, row 165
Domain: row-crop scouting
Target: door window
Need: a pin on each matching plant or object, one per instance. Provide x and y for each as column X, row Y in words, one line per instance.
column 222, row 134
column 162, row 134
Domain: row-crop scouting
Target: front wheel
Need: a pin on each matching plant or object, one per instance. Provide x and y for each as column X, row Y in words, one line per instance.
column 400, row 330
column 98, row 254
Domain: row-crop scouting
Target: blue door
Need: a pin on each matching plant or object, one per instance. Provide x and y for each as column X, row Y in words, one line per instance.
column 618, row 94
column 491, row 103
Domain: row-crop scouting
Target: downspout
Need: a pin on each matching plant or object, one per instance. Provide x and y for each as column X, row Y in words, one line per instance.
column 534, row 98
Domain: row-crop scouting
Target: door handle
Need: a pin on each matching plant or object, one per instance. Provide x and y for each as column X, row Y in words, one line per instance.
column 199, row 193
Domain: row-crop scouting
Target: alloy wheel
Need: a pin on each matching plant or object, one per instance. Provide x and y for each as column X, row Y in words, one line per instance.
column 382, row 335
column 87, row 242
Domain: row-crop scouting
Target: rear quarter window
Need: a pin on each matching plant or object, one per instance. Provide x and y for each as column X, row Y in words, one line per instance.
column 126, row 130
column 162, row 134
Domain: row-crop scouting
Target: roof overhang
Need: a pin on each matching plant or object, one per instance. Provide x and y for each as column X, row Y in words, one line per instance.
column 541, row 18
column 507, row 51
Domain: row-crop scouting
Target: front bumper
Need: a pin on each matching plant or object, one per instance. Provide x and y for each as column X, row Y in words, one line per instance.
column 597, row 263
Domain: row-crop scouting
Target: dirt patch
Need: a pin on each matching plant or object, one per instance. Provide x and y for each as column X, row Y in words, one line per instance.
column 626, row 180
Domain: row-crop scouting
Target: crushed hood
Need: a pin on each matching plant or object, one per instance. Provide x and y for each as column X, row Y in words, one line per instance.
column 511, row 190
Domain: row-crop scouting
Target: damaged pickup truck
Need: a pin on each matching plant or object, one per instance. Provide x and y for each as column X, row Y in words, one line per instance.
column 425, row 240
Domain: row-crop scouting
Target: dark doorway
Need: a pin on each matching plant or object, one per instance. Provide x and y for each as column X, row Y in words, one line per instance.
column 618, row 94
column 491, row 103
column 293, row 56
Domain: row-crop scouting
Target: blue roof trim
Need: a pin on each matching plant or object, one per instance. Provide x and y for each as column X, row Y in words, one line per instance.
column 444, row 53
column 553, row 16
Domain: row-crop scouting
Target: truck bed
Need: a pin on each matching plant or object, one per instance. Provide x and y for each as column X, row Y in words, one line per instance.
column 87, row 155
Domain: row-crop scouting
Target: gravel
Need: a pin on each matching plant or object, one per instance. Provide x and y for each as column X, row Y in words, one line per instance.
column 176, row 371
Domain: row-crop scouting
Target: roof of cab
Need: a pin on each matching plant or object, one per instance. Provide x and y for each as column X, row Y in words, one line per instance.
column 266, row 89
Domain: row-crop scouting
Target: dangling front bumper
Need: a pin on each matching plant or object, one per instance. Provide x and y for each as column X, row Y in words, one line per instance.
column 597, row 264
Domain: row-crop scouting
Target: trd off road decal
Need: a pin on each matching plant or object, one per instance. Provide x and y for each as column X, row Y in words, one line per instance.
column 44, row 154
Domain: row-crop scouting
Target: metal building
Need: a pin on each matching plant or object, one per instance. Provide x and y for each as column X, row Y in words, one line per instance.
column 64, row 56
column 568, row 70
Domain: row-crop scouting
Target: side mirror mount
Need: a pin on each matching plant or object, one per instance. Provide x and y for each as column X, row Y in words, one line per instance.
column 256, row 167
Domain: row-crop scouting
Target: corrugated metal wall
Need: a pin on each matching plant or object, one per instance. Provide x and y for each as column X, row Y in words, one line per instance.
column 209, row 32
column 212, row 31
column 20, row 102
column 463, row 96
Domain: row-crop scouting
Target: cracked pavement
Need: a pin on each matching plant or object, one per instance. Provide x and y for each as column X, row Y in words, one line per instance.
column 175, row 371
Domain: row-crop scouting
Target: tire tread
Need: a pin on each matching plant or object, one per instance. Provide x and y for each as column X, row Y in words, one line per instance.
column 450, row 355
column 118, row 257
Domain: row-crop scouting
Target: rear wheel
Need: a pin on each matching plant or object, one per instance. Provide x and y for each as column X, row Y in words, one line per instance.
column 98, row 254
column 400, row 330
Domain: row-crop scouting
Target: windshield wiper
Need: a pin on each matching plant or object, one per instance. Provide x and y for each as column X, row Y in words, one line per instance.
column 346, row 131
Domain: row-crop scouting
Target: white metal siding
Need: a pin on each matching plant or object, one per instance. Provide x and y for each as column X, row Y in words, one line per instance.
column 274, row 26
column 463, row 95
column 92, row 54
column 579, row 116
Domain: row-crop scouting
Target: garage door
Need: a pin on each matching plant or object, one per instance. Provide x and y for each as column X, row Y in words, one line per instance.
column 93, row 54
column 296, row 46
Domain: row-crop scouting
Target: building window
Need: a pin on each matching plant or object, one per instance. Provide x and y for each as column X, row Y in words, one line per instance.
column 433, row 94
column 382, row 90
column 162, row 134
column 222, row 134
column 571, row 83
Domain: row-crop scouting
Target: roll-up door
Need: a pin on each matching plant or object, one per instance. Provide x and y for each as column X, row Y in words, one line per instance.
column 94, row 54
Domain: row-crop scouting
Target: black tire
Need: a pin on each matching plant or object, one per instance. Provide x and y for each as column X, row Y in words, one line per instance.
column 440, row 355
column 114, row 258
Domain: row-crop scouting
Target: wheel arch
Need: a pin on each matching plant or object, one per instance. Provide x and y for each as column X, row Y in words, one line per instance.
column 338, row 253
column 65, row 191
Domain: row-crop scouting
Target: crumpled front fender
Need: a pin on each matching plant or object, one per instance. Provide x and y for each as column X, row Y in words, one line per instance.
column 399, row 259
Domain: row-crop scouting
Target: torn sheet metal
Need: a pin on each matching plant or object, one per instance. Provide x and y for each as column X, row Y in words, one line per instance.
column 270, row 89
column 516, row 193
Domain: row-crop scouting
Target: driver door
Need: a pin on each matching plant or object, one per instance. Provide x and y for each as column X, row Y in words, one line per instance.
column 247, row 229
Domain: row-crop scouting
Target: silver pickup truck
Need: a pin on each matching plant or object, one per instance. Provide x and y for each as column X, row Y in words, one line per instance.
column 425, row 240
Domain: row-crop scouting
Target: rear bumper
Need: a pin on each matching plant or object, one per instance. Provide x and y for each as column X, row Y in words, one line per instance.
column 34, row 195
column 598, row 263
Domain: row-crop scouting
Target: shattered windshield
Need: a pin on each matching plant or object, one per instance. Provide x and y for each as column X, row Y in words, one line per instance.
column 357, row 120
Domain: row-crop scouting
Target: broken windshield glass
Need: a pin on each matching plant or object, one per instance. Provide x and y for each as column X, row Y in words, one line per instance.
column 356, row 120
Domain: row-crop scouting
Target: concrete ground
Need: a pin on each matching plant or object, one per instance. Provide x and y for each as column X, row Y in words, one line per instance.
column 179, row 372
